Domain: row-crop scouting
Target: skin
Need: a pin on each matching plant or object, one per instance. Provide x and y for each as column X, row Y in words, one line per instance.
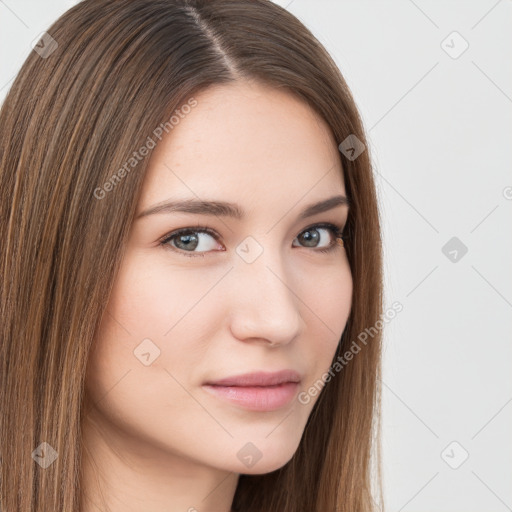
column 155, row 439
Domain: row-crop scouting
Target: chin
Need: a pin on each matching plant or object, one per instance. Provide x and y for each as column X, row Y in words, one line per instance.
column 262, row 468
column 258, row 459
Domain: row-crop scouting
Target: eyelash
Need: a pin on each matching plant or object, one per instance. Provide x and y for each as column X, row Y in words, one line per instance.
column 336, row 230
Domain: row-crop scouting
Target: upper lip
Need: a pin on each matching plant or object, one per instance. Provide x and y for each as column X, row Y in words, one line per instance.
column 258, row 379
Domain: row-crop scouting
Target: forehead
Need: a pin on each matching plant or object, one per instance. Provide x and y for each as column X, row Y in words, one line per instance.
column 246, row 143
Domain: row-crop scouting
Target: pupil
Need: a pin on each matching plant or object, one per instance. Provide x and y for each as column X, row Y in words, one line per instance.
column 190, row 241
column 310, row 237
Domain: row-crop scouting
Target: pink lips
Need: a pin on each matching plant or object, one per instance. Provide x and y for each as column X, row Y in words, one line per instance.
column 260, row 391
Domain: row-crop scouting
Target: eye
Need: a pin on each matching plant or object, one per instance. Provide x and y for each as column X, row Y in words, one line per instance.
column 311, row 237
column 187, row 240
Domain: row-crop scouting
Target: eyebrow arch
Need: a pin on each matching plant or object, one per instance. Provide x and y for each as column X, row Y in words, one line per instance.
column 225, row 209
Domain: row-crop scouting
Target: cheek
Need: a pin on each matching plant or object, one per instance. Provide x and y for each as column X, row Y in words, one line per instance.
column 156, row 300
column 152, row 317
column 327, row 294
column 337, row 298
column 330, row 304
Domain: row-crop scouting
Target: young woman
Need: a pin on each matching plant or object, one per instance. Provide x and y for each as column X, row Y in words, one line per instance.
column 190, row 251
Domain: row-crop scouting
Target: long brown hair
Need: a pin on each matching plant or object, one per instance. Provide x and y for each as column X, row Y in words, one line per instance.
column 73, row 116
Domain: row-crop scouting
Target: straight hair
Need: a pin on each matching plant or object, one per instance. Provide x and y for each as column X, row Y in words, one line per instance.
column 115, row 72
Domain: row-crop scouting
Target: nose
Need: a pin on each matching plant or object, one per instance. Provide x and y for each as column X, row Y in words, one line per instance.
column 264, row 306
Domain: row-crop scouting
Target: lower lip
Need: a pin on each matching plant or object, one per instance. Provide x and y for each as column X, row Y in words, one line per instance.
column 254, row 398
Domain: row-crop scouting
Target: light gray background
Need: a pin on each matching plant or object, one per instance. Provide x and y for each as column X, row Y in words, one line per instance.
column 440, row 130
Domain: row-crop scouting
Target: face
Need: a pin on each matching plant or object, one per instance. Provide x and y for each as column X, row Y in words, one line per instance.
column 263, row 292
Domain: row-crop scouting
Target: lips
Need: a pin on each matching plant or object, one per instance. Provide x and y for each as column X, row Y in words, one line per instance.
column 263, row 379
column 259, row 391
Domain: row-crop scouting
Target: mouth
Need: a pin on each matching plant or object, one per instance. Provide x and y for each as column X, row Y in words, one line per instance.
column 257, row 391
column 256, row 398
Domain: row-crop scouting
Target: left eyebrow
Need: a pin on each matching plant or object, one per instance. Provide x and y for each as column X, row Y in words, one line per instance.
column 225, row 209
